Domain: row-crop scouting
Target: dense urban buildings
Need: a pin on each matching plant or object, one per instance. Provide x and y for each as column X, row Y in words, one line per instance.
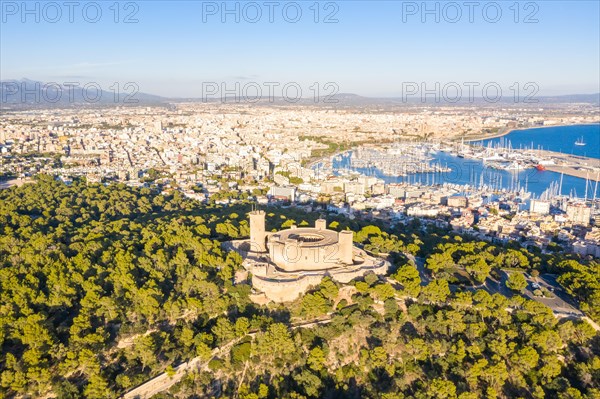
column 275, row 153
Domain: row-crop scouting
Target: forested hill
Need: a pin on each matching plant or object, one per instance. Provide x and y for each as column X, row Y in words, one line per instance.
column 104, row 287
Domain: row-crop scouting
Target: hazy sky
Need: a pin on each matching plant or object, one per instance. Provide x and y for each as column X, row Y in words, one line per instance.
column 372, row 49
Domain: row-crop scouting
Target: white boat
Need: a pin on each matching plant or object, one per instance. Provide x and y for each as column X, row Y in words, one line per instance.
column 580, row 142
column 494, row 157
column 513, row 166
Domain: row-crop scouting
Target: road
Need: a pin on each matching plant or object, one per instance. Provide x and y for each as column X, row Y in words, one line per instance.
column 493, row 286
column 163, row 381
column 561, row 303
column 420, row 265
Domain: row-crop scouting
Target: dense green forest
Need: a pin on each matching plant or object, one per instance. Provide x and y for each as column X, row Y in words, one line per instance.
column 103, row 287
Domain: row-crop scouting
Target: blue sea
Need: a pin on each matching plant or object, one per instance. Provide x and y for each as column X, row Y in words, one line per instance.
column 555, row 138
column 473, row 172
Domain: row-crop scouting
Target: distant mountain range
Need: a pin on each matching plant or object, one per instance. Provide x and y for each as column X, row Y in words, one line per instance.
column 573, row 98
column 348, row 98
column 26, row 93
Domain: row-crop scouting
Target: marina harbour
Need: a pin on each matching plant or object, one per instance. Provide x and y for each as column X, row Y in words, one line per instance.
column 472, row 167
column 579, row 140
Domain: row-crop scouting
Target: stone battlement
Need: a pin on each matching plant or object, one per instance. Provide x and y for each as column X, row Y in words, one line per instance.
column 285, row 264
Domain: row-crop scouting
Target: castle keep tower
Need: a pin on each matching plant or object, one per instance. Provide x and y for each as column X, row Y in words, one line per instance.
column 345, row 238
column 257, row 231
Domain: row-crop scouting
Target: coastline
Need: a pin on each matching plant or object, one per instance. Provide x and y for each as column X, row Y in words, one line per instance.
column 508, row 131
column 573, row 165
column 326, row 158
column 574, row 173
column 570, row 165
column 580, row 167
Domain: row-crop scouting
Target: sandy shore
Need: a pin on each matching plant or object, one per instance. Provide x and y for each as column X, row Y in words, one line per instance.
column 500, row 133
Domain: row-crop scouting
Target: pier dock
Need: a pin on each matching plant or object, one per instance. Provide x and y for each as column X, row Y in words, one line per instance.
column 572, row 165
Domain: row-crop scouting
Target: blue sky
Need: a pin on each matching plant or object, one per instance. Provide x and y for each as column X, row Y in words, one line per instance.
column 373, row 49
